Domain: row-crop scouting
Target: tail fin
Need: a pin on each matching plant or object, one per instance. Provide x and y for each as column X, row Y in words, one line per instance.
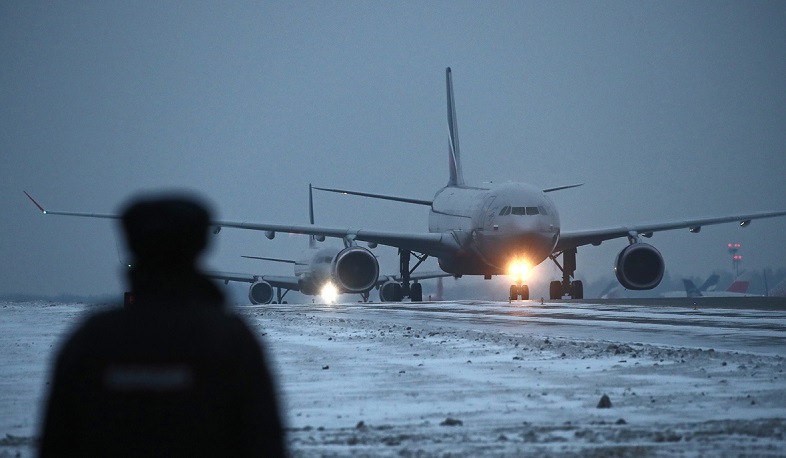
column 312, row 242
column 690, row 288
column 738, row 287
column 454, row 156
column 712, row 280
column 779, row 290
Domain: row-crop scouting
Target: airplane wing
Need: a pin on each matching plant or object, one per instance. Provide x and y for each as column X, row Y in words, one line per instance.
column 574, row 239
column 288, row 261
column 86, row 215
column 290, row 283
column 432, row 244
column 444, row 244
column 276, row 281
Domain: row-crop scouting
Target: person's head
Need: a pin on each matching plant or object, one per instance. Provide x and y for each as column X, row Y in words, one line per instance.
column 165, row 231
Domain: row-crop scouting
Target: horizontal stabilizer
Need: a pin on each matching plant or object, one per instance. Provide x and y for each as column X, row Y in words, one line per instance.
column 378, row 196
column 560, row 188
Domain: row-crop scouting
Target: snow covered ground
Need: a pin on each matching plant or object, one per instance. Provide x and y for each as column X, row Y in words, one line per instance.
column 481, row 378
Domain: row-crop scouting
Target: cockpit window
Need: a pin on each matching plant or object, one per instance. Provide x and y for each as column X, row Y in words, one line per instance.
column 502, row 212
column 528, row 210
column 542, row 210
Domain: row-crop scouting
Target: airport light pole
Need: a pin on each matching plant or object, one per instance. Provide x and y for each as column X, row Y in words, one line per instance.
column 735, row 258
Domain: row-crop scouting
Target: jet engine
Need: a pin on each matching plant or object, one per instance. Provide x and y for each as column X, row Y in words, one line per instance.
column 260, row 292
column 355, row 270
column 390, row 291
column 639, row 266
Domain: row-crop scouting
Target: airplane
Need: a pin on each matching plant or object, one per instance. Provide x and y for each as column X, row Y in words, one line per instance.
column 611, row 291
column 690, row 289
column 496, row 229
column 738, row 288
column 314, row 276
column 778, row 290
column 324, row 271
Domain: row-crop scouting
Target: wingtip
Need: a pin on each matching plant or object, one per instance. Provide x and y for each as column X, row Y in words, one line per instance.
column 34, row 202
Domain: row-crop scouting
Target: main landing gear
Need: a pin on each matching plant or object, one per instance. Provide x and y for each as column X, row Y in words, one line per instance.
column 566, row 287
column 404, row 289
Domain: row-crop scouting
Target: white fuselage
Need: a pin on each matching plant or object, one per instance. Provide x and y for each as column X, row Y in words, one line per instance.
column 495, row 226
column 313, row 269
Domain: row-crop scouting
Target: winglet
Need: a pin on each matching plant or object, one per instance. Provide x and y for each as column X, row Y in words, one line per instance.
column 36, row 203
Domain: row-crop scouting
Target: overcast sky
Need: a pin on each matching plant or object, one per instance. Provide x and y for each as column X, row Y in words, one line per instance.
column 665, row 110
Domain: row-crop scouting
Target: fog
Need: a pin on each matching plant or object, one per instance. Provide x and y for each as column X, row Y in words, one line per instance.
column 665, row 110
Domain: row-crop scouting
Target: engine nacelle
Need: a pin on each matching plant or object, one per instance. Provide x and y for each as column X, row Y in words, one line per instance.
column 355, row 270
column 390, row 291
column 260, row 292
column 639, row 266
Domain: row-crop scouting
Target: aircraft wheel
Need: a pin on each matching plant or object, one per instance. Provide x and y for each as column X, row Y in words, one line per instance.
column 514, row 293
column 398, row 293
column 524, row 291
column 577, row 290
column 416, row 292
column 555, row 290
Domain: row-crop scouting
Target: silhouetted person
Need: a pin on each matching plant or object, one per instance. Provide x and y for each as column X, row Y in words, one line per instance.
column 172, row 374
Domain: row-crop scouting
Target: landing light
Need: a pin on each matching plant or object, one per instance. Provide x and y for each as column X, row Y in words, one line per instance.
column 518, row 269
column 329, row 293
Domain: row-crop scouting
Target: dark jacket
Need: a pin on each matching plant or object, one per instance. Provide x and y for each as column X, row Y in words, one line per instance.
column 167, row 377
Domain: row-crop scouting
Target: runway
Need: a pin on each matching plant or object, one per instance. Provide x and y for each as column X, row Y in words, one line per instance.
column 525, row 378
column 473, row 378
column 745, row 324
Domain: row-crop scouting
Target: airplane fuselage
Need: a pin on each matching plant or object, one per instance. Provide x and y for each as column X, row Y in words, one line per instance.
column 495, row 226
column 313, row 269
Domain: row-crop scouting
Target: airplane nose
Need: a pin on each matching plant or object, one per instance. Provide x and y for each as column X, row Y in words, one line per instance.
column 522, row 225
column 526, row 236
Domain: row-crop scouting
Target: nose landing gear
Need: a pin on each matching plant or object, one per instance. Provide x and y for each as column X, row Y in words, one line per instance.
column 519, row 290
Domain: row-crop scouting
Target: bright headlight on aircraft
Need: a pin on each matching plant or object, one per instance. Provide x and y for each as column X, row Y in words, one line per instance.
column 329, row 293
column 518, row 268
